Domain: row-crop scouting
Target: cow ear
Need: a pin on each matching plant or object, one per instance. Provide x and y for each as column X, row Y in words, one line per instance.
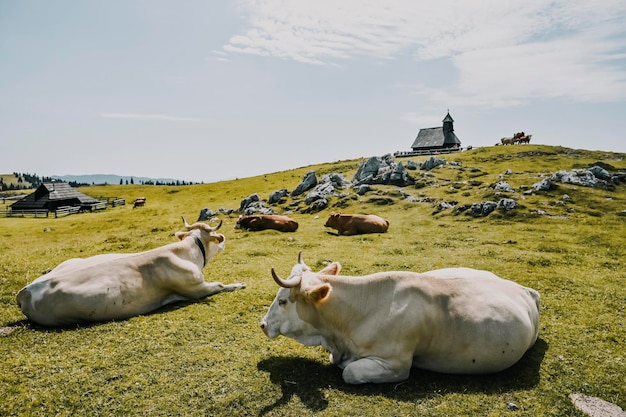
column 317, row 294
column 333, row 269
column 181, row 235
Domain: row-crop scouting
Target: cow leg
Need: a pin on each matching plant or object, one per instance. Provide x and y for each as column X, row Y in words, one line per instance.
column 209, row 288
column 375, row 370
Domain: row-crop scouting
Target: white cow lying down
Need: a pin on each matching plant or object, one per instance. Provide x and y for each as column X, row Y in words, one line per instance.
column 455, row 320
column 118, row 286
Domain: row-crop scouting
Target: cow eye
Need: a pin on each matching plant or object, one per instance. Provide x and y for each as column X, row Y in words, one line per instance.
column 282, row 302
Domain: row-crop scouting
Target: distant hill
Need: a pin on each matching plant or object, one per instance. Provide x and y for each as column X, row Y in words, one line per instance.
column 111, row 179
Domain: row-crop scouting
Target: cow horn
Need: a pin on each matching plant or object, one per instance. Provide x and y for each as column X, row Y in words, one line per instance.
column 290, row 282
column 300, row 261
column 217, row 227
column 187, row 225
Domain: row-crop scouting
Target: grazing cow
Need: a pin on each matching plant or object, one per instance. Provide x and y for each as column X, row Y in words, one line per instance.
column 356, row 224
column 118, row 286
column 258, row 222
column 376, row 327
column 139, row 202
column 507, row 141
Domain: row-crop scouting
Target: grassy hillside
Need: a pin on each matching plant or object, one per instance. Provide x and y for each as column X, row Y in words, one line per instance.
column 211, row 358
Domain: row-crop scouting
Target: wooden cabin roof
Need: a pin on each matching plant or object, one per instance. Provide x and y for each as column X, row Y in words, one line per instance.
column 58, row 193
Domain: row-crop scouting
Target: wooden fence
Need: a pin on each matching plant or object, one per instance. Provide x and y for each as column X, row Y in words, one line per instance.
column 428, row 152
column 24, row 213
column 66, row 211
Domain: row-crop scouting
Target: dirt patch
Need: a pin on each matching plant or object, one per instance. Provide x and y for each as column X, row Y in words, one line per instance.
column 595, row 407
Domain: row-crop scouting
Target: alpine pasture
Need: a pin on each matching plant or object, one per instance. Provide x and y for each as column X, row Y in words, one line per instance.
column 211, row 358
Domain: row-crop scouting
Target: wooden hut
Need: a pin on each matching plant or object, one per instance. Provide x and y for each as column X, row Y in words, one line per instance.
column 52, row 195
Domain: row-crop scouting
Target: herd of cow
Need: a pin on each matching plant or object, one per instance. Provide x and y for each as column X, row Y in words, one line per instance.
column 345, row 224
column 519, row 137
column 376, row 327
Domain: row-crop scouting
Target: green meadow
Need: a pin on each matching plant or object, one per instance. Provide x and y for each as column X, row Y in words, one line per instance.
column 210, row 358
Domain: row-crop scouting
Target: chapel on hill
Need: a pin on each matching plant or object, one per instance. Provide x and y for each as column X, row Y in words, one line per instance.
column 434, row 139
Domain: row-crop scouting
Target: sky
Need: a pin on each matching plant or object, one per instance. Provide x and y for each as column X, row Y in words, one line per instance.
column 205, row 91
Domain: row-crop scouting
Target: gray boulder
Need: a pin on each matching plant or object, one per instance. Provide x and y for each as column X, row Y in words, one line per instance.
column 322, row 190
column 309, row 181
column 600, row 173
column 482, row 209
column 503, row 186
column 249, row 201
column 432, row 163
column 543, row 185
column 382, row 170
column 337, row 180
column 253, row 204
column 206, row 214
column 412, row 165
column 276, row 196
column 582, row 177
column 368, row 169
column 399, row 176
column 507, row 204
column 362, row 189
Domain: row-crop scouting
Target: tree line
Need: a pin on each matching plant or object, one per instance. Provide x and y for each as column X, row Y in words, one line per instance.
column 25, row 181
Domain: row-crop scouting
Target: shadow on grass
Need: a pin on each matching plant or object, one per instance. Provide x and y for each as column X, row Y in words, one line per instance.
column 307, row 379
column 31, row 325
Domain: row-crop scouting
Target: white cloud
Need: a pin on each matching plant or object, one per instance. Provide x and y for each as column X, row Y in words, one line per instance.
column 505, row 53
column 158, row 117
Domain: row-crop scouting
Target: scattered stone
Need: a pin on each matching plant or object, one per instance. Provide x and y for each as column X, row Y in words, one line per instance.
column 309, row 181
column 543, row 185
column 337, row 180
column 320, row 191
column 362, row 189
column 432, row 163
column 253, row 204
column 507, row 204
column 482, row 209
column 443, row 205
column 503, row 186
column 582, row 177
column 277, row 196
column 412, row 165
column 316, row 206
column 512, row 406
column 600, row 173
column 382, row 170
column 248, row 201
column 206, row 214
column 596, row 407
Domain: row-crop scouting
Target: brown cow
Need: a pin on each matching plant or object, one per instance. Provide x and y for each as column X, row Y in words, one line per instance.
column 139, row 202
column 519, row 135
column 258, row 222
column 525, row 139
column 356, row 224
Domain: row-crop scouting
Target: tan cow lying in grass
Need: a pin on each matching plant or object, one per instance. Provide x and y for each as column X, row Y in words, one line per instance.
column 118, row 286
column 356, row 224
